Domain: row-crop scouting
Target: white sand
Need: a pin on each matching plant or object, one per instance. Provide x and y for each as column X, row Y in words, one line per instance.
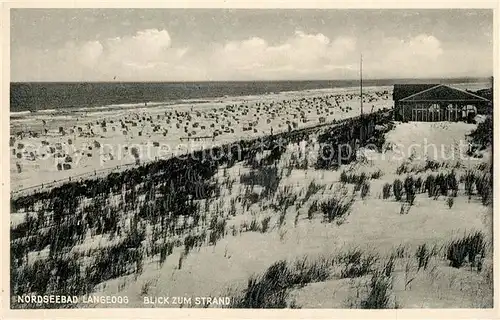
column 374, row 225
column 258, row 114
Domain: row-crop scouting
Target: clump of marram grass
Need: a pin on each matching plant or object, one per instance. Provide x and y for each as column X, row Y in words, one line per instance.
column 357, row 179
column 423, row 255
column 482, row 136
column 217, row 231
column 272, row 289
column 337, row 207
column 411, row 198
column 484, row 187
column 281, row 218
column 313, row 208
column 306, row 271
column 250, row 198
column 468, row 179
column 265, row 176
column 189, row 243
column 442, row 185
column 267, row 291
column 432, row 165
column 353, row 178
column 379, row 292
column 405, row 208
column 365, row 189
column 449, row 202
column 356, row 263
column 284, row 199
column 403, row 168
column 265, row 224
column 418, row 184
column 452, row 183
column 470, row 248
column 377, row 174
column 388, row 265
column 400, row 251
column 430, row 185
column 254, row 226
column 386, row 191
column 166, row 249
column 232, row 209
column 397, row 188
column 409, row 186
column 312, row 189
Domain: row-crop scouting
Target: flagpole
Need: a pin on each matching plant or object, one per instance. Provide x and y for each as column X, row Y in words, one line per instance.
column 361, row 132
column 361, row 81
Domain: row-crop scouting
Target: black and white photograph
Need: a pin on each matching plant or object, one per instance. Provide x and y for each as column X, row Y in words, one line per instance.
column 249, row 158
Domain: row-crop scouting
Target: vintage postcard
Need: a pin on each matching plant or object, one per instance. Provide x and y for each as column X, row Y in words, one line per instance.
column 218, row 159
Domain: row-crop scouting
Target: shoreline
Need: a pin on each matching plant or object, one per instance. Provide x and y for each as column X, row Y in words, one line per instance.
column 477, row 83
column 131, row 165
column 228, row 120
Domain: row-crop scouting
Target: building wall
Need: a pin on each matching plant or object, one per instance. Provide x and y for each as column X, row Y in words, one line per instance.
column 428, row 112
column 402, row 111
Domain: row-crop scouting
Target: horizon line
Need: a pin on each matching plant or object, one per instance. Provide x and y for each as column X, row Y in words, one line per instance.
column 261, row 80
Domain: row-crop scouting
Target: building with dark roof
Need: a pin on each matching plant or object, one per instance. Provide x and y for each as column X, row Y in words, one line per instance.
column 436, row 102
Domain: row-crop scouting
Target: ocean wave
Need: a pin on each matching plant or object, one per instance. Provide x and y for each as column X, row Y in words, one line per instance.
column 48, row 111
column 19, row 113
column 102, row 113
column 86, row 109
column 117, row 106
column 131, row 105
column 22, row 120
column 53, row 117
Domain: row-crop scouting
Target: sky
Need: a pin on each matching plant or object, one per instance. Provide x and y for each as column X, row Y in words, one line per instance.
column 248, row 44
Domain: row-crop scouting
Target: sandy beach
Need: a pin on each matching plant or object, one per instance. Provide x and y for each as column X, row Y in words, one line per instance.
column 49, row 146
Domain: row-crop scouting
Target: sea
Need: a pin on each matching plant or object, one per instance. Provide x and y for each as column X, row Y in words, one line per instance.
column 34, row 97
